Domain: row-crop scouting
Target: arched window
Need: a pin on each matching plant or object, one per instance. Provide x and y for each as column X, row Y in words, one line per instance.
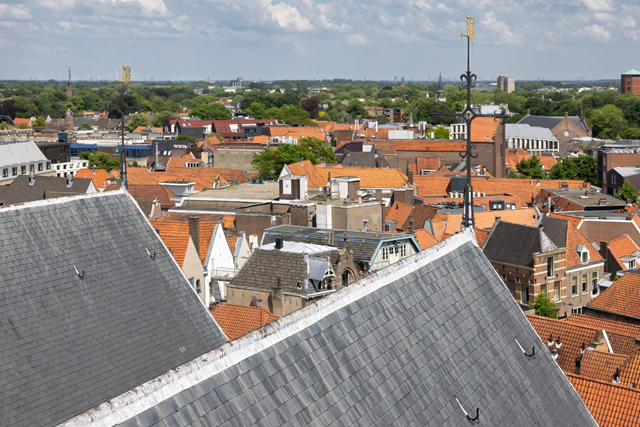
column 347, row 277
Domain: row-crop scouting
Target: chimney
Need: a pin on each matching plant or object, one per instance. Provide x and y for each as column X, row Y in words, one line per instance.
column 410, row 177
column 32, row 178
column 69, row 179
column 276, row 299
column 599, row 342
column 279, row 243
column 94, row 169
column 194, row 231
column 411, row 223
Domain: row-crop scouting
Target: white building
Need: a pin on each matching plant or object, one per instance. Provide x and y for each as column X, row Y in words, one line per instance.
column 21, row 158
column 533, row 139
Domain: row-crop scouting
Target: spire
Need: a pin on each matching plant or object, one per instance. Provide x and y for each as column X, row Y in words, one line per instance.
column 440, row 92
column 440, row 81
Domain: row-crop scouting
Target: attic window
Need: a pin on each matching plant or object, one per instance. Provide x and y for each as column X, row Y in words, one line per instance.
column 585, row 257
column 632, row 263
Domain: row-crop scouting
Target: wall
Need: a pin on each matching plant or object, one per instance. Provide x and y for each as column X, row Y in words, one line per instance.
column 567, row 130
column 235, row 158
column 253, row 224
column 379, row 261
column 192, row 267
column 630, row 84
column 243, row 297
column 350, row 217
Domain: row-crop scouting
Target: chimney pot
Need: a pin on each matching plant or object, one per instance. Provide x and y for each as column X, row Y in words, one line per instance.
column 279, row 244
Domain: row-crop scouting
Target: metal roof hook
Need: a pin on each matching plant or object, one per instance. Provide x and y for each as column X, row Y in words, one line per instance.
column 152, row 256
column 475, row 420
column 78, row 273
column 533, row 351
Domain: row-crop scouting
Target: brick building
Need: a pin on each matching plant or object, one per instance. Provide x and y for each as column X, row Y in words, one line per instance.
column 622, row 153
column 630, row 82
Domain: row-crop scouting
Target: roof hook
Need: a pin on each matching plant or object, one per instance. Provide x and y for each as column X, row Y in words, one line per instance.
column 150, row 255
column 78, row 273
column 533, row 351
column 471, row 420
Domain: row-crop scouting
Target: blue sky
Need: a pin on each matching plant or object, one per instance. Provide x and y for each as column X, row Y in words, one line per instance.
column 272, row 39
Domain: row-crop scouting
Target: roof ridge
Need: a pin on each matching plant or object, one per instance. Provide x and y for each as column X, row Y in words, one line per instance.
column 569, row 374
column 565, row 323
column 59, row 200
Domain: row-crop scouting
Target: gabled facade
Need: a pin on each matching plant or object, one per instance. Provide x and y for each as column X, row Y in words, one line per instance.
column 219, row 265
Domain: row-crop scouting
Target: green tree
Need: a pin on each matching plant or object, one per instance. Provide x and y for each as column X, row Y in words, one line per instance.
column 287, row 86
column 530, row 168
column 355, row 109
column 544, row 307
column 607, row 122
column 211, row 111
column 582, row 168
column 300, row 88
column 101, row 160
column 40, row 123
column 24, row 126
column 4, row 125
column 257, row 110
column 627, row 192
column 192, row 140
column 158, row 120
column 138, row 119
column 85, row 126
column 440, row 133
column 270, row 162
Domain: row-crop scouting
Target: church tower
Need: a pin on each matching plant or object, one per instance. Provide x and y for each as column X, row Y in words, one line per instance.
column 440, row 92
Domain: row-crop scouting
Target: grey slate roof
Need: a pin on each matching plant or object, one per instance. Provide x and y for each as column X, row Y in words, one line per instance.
column 551, row 122
column 514, row 243
column 261, row 270
column 555, row 229
column 20, row 153
column 514, row 130
column 19, row 191
column 395, row 349
column 68, row 344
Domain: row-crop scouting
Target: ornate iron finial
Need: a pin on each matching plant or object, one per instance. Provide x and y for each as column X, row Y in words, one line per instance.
column 467, row 115
column 122, row 108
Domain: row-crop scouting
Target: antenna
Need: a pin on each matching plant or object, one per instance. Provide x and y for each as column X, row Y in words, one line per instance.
column 173, row 76
column 87, row 70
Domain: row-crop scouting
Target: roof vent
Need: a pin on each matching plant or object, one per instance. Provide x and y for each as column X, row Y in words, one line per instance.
column 279, row 243
column 32, row 178
column 69, row 179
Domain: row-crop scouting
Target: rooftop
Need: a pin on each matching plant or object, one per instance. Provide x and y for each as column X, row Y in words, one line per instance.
column 268, row 190
column 239, row 320
column 621, row 298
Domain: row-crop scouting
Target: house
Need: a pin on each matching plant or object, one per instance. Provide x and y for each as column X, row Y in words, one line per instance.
column 371, row 250
column 620, row 254
column 22, row 158
column 85, row 267
column 621, row 153
column 26, row 189
column 186, row 255
column 564, row 128
column 616, row 178
column 532, row 139
column 238, row 320
column 552, row 258
column 388, row 350
column 619, row 301
column 515, row 156
column 603, row 398
column 286, row 276
column 575, row 199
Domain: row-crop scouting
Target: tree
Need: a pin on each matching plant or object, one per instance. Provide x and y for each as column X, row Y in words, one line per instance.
column 158, row 120
column 627, row 192
column 270, row 162
column 85, row 126
column 191, row 139
column 287, row 86
column 4, row 125
column 101, row 160
column 544, row 307
column 355, row 109
column 607, row 122
column 24, row 126
column 257, row 110
column 137, row 120
column 40, row 123
column 211, row 111
column 582, row 168
column 300, row 88
column 440, row 133
column 530, row 168
column 312, row 106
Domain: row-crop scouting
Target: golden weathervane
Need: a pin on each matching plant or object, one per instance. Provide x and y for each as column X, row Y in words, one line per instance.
column 471, row 29
column 126, row 74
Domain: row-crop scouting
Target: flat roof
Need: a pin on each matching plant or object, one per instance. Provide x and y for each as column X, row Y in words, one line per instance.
column 268, row 190
column 338, row 234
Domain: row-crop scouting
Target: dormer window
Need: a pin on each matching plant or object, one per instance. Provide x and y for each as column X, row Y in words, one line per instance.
column 632, row 263
column 583, row 253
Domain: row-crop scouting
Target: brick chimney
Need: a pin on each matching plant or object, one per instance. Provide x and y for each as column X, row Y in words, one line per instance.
column 277, row 303
column 410, row 177
column 194, row 231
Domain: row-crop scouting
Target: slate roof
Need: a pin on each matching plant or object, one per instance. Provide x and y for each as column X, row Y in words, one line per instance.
column 263, row 268
column 514, row 130
column 68, row 343
column 237, row 320
column 49, row 187
column 565, row 235
column 515, row 244
column 551, row 122
column 20, row 153
column 398, row 348
column 621, row 298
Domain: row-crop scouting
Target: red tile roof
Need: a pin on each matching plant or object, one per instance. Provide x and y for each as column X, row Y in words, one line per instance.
column 574, row 239
column 399, row 212
column 181, row 228
column 486, row 220
column 149, row 193
column 203, row 177
column 481, row 236
column 483, row 129
column 425, row 239
column 181, row 162
column 428, row 163
column 100, row 177
column 611, row 405
column 430, row 146
column 600, row 365
column 306, row 168
column 621, row 298
column 177, row 246
column 611, row 326
column 630, row 372
column 238, row 320
column 576, row 221
column 369, row 177
column 622, row 246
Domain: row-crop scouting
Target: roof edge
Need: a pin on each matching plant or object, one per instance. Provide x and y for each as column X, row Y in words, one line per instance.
column 139, row 399
column 60, row 200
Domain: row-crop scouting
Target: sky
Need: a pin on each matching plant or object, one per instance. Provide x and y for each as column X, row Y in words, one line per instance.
column 309, row 39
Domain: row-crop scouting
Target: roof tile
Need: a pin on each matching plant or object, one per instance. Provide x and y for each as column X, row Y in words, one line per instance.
column 237, row 320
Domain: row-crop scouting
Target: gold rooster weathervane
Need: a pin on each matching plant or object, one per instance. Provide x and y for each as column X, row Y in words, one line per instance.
column 471, row 29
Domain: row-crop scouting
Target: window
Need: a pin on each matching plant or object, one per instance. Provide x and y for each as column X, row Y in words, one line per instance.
column 32, row 168
column 198, row 287
column 585, row 257
column 550, row 270
column 385, row 253
column 40, row 167
column 511, row 206
column 594, row 283
column 14, row 171
column 191, row 281
column 543, row 288
column 585, row 280
column 632, row 263
column 574, row 286
column 525, row 293
column 556, row 291
column 5, row 173
column 48, row 165
column 23, row 170
column 403, row 250
column 576, row 310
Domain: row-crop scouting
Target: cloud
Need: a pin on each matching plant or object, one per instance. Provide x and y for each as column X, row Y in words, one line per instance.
column 356, row 39
column 596, row 32
column 289, row 18
column 18, row 12
column 604, row 17
column 634, row 35
column 598, row 5
column 204, row 33
column 506, row 36
column 628, row 22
